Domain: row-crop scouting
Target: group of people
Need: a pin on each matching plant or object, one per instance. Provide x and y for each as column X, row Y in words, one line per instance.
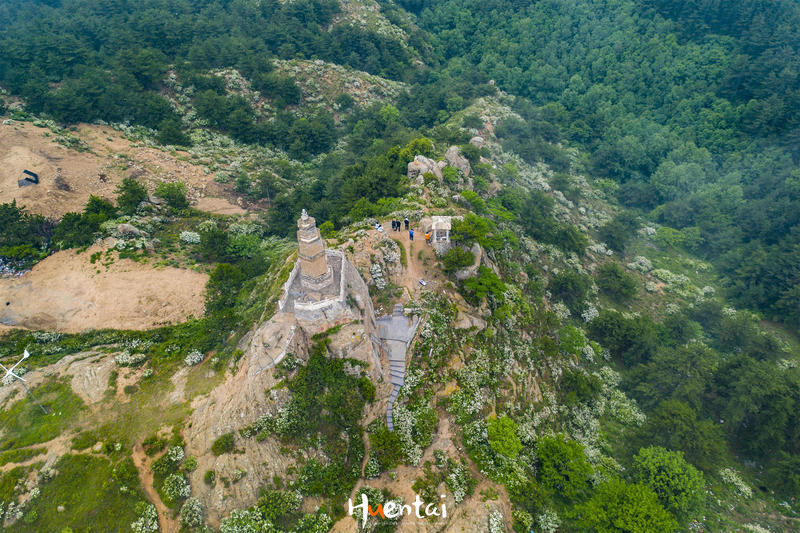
column 397, row 225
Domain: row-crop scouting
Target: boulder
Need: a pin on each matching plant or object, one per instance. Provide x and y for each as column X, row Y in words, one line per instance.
column 127, row 230
column 477, row 141
column 455, row 159
column 471, row 271
column 421, row 165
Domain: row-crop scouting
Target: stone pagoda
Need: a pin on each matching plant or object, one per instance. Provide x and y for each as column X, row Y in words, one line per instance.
column 316, row 275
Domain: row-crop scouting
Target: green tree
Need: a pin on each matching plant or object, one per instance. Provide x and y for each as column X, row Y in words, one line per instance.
column 279, row 507
column 170, row 132
column 487, row 282
column 457, row 258
column 130, row 193
column 615, row 282
column 617, row 506
column 571, row 287
column 679, row 486
column 618, row 232
column 223, row 444
column 174, row 193
column 214, row 244
column 503, row 437
column 563, row 466
column 674, row 425
column 326, row 229
column 386, row 447
column 222, row 289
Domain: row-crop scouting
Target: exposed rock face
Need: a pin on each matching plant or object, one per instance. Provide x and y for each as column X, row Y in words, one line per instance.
column 477, row 141
column 239, row 401
column 471, row 271
column 421, row 165
column 455, row 159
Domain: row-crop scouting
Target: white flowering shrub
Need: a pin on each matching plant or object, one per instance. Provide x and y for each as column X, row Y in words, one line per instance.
column 195, row 357
column 207, row 225
column 440, row 459
column 548, row 521
column 9, row 379
column 176, row 487
column 561, row 311
column 588, row 352
column 377, row 275
column 732, row 477
column 590, row 313
column 755, row 528
column 175, row 454
column 641, row 264
column 372, row 469
column 458, row 481
column 264, row 425
column 190, row 237
column 46, row 337
column 404, row 427
column 496, row 522
column 192, row 513
column 466, row 403
column 148, row 519
column 315, row 523
column 14, row 511
column 127, row 358
column 245, row 521
column 137, row 345
column 243, row 228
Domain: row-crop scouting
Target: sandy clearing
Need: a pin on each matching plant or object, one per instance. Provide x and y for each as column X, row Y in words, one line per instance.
column 66, row 293
column 219, row 206
column 68, row 177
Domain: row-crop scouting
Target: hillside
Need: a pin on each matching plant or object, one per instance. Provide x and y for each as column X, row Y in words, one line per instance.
column 601, row 337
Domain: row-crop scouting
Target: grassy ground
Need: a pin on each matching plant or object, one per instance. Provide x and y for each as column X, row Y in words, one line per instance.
column 25, row 424
column 19, row 455
column 90, row 492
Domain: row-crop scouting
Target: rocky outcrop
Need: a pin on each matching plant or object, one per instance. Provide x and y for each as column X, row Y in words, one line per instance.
column 477, row 141
column 471, row 271
column 421, row 165
column 128, row 230
column 455, row 159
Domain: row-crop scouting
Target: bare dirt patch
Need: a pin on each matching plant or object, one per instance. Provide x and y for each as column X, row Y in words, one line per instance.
column 219, row 206
column 65, row 292
column 68, row 176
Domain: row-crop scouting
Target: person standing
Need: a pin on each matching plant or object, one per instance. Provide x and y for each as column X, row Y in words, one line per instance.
column 406, row 221
column 411, row 234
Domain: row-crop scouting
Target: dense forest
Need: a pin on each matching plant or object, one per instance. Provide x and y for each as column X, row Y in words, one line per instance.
column 692, row 107
column 687, row 111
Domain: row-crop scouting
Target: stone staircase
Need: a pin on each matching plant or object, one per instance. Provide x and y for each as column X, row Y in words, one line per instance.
column 396, row 332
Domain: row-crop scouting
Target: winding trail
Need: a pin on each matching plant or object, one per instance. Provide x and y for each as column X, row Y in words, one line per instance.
column 167, row 523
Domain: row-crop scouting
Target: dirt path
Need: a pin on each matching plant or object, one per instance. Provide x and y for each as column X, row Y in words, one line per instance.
column 415, row 268
column 142, row 462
